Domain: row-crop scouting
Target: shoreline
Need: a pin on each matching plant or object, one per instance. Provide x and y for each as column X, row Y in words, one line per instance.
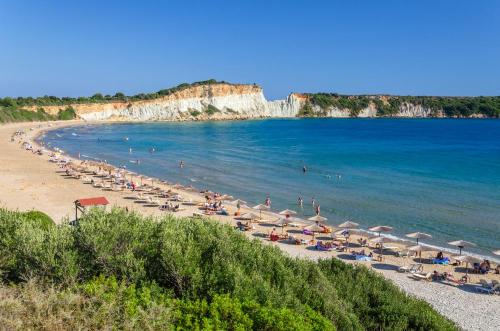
column 400, row 240
column 468, row 309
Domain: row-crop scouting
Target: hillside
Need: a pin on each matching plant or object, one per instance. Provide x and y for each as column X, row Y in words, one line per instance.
column 213, row 100
column 119, row 270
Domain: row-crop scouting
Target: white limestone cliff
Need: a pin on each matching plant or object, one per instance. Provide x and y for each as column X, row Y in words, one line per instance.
column 231, row 101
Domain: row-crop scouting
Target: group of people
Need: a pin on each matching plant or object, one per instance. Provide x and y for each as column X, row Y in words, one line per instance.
column 437, row 276
column 316, row 206
column 485, row 267
column 213, row 205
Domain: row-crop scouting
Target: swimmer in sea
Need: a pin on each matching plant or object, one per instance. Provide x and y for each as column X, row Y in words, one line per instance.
column 130, row 150
column 304, row 169
column 181, row 164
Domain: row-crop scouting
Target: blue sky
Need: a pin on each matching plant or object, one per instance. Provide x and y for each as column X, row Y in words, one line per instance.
column 424, row 47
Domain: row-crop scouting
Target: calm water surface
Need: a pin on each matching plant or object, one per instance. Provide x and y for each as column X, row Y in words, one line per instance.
column 437, row 176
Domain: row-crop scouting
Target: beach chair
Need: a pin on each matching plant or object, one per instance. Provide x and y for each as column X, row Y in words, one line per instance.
column 403, row 253
column 412, row 268
column 487, row 288
column 152, row 201
column 422, row 276
column 87, row 180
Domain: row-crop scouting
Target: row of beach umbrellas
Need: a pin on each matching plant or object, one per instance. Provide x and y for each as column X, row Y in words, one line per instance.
column 350, row 225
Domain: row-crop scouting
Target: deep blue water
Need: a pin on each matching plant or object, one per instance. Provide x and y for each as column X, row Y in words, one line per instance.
column 437, row 176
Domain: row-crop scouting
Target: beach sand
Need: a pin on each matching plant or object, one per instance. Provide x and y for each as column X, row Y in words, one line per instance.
column 31, row 182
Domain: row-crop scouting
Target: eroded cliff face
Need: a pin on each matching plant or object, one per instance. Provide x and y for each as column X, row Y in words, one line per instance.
column 218, row 102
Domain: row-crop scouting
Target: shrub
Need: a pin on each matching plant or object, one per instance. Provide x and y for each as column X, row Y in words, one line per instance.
column 194, row 113
column 207, row 274
column 33, row 248
column 67, row 114
column 211, row 109
column 41, row 219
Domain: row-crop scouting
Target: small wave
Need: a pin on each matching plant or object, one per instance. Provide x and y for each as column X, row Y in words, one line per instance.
column 89, row 157
column 193, row 179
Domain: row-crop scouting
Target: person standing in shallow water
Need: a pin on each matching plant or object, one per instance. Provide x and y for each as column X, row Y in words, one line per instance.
column 300, row 202
column 181, row 164
column 304, row 169
column 268, row 201
column 318, row 209
column 313, row 202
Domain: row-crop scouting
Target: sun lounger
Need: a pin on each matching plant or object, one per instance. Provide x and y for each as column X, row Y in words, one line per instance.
column 403, row 253
column 488, row 288
column 413, row 268
column 362, row 257
column 152, row 201
column 422, row 276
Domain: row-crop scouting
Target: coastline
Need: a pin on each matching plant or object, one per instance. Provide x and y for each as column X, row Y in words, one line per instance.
column 30, row 182
column 438, row 245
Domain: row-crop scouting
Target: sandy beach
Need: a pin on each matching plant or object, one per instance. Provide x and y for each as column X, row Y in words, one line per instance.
column 30, row 181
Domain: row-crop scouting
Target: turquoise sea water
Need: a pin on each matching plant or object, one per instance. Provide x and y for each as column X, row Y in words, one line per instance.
column 436, row 176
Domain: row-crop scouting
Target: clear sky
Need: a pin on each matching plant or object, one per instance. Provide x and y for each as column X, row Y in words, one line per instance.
column 419, row 47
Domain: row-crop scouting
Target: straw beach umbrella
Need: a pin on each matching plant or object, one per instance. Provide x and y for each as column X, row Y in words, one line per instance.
column 419, row 249
column 249, row 216
column 381, row 228
column 380, row 241
column 318, row 219
column 348, row 225
column 461, row 244
column 260, row 208
column 418, row 235
column 467, row 259
column 288, row 212
column 238, row 201
column 314, row 228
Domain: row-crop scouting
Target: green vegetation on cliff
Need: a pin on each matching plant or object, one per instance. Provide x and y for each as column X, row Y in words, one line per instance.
column 10, row 111
column 119, row 270
column 99, row 98
column 390, row 105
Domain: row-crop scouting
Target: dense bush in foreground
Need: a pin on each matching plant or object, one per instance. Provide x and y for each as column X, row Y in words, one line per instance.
column 125, row 271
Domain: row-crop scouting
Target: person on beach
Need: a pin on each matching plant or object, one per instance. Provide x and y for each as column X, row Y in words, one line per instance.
column 300, row 202
column 318, row 209
column 267, row 202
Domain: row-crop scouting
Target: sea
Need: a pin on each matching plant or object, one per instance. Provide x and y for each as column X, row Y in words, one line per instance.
column 438, row 176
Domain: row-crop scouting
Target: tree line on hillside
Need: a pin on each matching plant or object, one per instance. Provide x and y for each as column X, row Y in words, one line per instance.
column 120, row 270
column 449, row 106
column 11, row 112
column 100, row 98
